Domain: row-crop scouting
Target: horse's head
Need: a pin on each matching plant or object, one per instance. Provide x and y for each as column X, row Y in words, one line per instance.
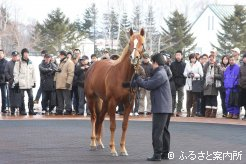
column 136, row 46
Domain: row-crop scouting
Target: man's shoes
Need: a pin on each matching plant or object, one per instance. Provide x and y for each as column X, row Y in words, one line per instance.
column 32, row 113
column 229, row 115
column 164, row 157
column 154, row 158
column 235, row 116
column 178, row 114
column 136, row 114
column 23, row 113
column 80, row 113
column 58, row 113
column 4, row 111
column 67, row 113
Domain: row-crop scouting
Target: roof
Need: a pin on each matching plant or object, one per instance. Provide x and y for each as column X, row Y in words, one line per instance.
column 220, row 11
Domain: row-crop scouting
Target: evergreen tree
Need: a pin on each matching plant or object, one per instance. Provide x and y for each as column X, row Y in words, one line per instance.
column 111, row 26
column 55, row 33
column 137, row 22
column 87, row 26
column 124, row 33
column 151, row 33
column 178, row 36
column 234, row 31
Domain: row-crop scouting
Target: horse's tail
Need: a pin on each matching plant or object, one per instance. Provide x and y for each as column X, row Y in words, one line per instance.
column 98, row 108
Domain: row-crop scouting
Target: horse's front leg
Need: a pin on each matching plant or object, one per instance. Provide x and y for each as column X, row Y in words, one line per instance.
column 111, row 112
column 128, row 108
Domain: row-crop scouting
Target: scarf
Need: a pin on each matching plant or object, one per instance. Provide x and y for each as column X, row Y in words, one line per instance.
column 210, row 75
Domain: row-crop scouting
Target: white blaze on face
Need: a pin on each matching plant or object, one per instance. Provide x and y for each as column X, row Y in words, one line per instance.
column 134, row 48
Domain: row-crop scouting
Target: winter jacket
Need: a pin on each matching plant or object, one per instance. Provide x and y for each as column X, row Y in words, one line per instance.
column 47, row 74
column 211, row 89
column 231, row 76
column 80, row 71
column 9, row 72
column 65, row 76
column 147, row 68
column 242, row 76
column 3, row 63
column 160, row 92
column 24, row 74
column 177, row 69
column 197, row 70
column 222, row 70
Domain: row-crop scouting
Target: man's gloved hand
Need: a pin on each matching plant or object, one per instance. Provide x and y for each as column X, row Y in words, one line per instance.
column 134, row 84
column 16, row 88
column 68, row 85
column 135, row 76
column 34, row 85
column 58, row 70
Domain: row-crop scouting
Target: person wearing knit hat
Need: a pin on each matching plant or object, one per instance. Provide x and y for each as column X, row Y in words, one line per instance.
column 14, row 95
column 63, row 82
column 25, row 80
column 236, row 53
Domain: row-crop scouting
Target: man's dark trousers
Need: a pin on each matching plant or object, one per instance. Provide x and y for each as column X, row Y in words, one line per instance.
column 160, row 133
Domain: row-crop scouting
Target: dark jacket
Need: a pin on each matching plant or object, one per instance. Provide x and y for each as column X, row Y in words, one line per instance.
column 147, row 68
column 47, row 74
column 80, row 72
column 3, row 63
column 160, row 92
column 242, row 76
column 177, row 69
column 170, row 75
column 9, row 72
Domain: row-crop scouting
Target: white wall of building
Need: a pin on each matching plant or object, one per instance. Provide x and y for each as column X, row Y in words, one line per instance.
column 205, row 30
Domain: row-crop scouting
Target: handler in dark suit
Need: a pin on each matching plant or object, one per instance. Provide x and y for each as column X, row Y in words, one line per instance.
column 161, row 107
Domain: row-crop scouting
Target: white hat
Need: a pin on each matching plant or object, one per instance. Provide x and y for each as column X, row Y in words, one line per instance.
column 214, row 50
column 236, row 50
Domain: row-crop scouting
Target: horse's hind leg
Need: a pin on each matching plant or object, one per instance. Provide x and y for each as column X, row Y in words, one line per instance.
column 99, row 122
column 91, row 106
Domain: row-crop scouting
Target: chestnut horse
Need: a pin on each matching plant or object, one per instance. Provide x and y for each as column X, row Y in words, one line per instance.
column 104, row 91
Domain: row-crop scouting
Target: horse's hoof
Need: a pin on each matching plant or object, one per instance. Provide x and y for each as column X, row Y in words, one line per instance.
column 114, row 154
column 124, row 154
column 100, row 147
column 93, row 148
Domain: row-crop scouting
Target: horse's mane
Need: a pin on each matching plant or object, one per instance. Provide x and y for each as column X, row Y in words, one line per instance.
column 123, row 54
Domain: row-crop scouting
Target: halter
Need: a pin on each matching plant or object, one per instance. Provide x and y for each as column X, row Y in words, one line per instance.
column 135, row 62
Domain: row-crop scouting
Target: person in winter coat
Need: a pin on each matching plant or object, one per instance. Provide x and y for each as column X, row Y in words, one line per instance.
column 47, row 72
column 193, row 71
column 161, row 107
column 14, row 95
column 211, row 75
column 80, row 72
column 242, row 84
column 143, row 92
column 3, row 63
column 223, row 65
column 63, row 81
column 231, row 82
column 25, row 79
column 177, row 67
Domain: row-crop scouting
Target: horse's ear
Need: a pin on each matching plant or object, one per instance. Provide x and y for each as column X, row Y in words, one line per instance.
column 142, row 32
column 131, row 32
